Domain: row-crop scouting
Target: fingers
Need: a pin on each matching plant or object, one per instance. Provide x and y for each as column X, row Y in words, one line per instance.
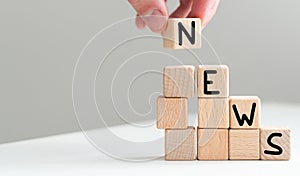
column 140, row 24
column 204, row 9
column 152, row 13
column 183, row 10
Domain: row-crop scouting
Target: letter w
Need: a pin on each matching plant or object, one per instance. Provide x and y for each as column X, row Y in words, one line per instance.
column 244, row 116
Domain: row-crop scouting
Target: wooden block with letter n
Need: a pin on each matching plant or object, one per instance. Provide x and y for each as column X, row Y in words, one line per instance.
column 213, row 81
column 182, row 33
column 213, row 144
column 244, row 112
column 171, row 113
column 213, row 113
column 275, row 144
column 180, row 144
column 178, row 81
column 244, row 144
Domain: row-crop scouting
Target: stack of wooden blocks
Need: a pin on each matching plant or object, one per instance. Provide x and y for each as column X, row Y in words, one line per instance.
column 228, row 126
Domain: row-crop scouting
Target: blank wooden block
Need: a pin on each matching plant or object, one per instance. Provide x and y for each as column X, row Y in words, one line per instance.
column 244, row 144
column 171, row 113
column 182, row 33
column 213, row 113
column 213, row 144
column 213, row 81
column 244, row 112
column 275, row 144
column 180, row 144
column 178, row 81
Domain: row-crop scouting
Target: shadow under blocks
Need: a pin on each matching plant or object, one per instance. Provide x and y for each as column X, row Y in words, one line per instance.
column 228, row 126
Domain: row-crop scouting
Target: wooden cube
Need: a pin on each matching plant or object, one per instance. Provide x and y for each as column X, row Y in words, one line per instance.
column 244, row 112
column 179, row 81
column 244, row 144
column 182, row 33
column 213, row 81
column 213, row 113
column 213, row 144
column 275, row 144
column 171, row 113
column 180, row 144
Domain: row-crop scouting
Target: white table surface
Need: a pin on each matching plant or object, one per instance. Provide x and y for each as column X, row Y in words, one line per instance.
column 72, row 154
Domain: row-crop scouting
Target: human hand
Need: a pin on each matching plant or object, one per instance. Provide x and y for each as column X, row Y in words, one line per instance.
column 154, row 13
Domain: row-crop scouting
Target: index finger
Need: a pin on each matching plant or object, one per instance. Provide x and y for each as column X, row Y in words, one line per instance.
column 204, row 9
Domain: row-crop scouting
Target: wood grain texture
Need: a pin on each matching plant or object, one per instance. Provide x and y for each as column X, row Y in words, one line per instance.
column 179, row 81
column 171, row 34
column 244, row 105
column 279, row 137
column 219, row 75
column 171, row 113
column 180, row 144
column 213, row 113
column 213, row 144
column 244, row 144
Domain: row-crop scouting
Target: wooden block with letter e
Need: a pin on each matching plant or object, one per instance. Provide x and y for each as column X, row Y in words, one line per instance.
column 213, row 144
column 178, row 81
column 213, row 113
column 180, row 144
column 171, row 113
column 213, row 81
column 244, row 144
column 182, row 33
column 244, row 112
column 275, row 144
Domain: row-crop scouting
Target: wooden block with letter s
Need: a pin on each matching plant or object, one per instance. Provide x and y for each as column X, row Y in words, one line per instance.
column 182, row 33
column 275, row 144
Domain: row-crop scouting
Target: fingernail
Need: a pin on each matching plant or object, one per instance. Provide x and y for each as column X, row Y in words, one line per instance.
column 155, row 20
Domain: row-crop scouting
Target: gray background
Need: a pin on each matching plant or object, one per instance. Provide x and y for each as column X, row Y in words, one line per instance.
column 40, row 42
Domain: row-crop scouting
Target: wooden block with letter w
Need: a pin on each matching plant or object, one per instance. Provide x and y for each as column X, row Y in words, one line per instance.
column 244, row 112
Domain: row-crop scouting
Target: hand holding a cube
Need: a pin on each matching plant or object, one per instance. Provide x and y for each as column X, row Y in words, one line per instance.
column 154, row 13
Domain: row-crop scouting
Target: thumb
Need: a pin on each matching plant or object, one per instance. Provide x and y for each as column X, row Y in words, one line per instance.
column 154, row 13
